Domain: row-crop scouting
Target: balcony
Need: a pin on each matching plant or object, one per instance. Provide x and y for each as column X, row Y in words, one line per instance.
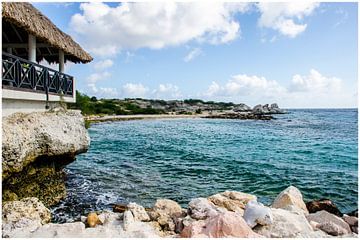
column 22, row 75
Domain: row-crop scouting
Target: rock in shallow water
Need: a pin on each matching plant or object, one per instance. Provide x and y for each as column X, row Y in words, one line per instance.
column 256, row 213
column 290, row 199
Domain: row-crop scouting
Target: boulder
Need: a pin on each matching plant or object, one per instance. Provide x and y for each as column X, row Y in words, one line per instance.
column 256, row 213
column 164, row 212
column 35, row 147
column 128, row 219
column 138, row 212
column 332, row 229
column 25, row 215
column 26, row 137
column 285, row 224
column 323, row 204
column 290, row 199
column 352, row 221
column 92, row 220
column 227, row 224
column 231, row 200
column 64, row 230
column 329, row 222
column 201, row 208
column 241, row 108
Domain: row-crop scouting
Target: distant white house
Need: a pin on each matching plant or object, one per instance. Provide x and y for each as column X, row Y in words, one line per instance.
column 29, row 37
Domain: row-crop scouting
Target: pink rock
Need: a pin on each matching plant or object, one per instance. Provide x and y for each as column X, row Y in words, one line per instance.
column 228, row 224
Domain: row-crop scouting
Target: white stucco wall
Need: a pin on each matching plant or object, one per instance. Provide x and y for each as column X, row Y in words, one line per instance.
column 20, row 101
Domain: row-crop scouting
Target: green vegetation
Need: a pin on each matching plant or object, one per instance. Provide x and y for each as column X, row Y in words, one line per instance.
column 89, row 106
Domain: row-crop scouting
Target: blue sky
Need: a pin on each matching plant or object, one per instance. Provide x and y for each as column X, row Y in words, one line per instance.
column 298, row 55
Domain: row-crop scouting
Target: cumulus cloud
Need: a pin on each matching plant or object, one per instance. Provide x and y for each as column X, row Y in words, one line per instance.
column 95, row 77
column 311, row 90
column 106, row 30
column 315, row 82
column 134, row 90
column 166, row 91
column 101, row 65
column 192, row 54
column 242, row 84
column 287, row 18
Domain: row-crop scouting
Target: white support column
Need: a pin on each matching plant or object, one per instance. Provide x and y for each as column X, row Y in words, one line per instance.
column 32, row 48
column 61, row 61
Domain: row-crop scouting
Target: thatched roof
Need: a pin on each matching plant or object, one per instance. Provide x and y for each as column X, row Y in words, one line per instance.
column 27, row 18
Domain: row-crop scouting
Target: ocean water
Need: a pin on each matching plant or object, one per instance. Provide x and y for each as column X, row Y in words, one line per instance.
column 180, row 159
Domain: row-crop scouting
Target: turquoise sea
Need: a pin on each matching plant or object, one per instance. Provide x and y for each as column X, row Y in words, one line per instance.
column 140, row 161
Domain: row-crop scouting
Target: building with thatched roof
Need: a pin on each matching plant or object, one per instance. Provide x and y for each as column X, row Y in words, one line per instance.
column 29, row 37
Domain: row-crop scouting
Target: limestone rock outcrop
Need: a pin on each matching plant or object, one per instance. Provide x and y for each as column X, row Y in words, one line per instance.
column 23, row 216
column 290, row 199
column 232, row 200
column 26, row 137
column 35, row 148
column 266, row 109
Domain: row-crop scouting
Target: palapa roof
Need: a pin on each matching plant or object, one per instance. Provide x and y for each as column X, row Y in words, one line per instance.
column 26, row 17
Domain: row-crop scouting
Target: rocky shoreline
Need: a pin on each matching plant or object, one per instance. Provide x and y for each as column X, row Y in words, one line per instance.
column 35, row 148
column 226, row 214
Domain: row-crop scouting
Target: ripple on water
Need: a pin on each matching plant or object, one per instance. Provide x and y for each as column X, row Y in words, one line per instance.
column 180, row 159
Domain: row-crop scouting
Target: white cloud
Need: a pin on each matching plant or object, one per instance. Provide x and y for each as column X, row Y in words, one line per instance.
column 312, row 90
column 315, row 82
column 101, row 65
column 95, row 77
column 107, row 30
column 192, row 54
column 242, row 84
column 287, row 18
column 135, row 90
column 167, row 91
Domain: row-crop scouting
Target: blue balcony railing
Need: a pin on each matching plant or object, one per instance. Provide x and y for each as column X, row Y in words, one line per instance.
column 23, row 75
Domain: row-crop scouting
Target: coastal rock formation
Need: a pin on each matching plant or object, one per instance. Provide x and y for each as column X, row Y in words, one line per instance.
column 165, row 212
column 35, row 148
column 203, row 218
column 352, row 221
column 323, row 204
column 266, row 109
column 239, row 115
column 227, row 224
column 231, row 200
column 23, row 216
column 290, row 199
column 330, row 223
column 201, row 208
column 256, row 213
column 241, row 108
column 286, row 224
column 138, row 212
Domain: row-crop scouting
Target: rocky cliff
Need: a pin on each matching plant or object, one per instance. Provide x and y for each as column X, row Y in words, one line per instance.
column 35, row 147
